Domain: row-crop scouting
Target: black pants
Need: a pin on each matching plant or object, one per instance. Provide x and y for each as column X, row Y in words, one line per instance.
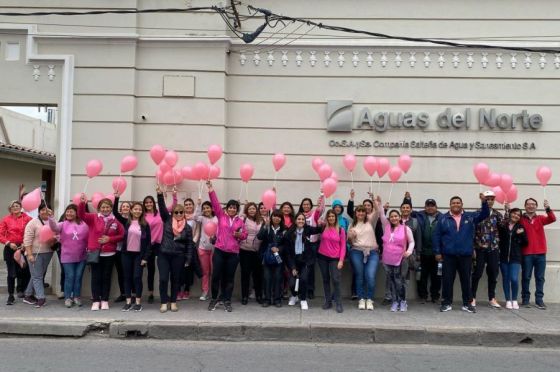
column 303, row 275
column 224, row 265
column 101, row 273
column 490, row 259
column 251, row 266
column 451, row 265
column 132, row 273
column 311, row 269
column 120, row 273
column 152, row 266
column 429, row 273
column 170, row 269
column 273, row 281
column 187, row 277
column 15, row 272
column 329, row 270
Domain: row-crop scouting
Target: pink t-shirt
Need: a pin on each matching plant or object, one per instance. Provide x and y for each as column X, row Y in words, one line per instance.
column 156, row 227
column 134, row 236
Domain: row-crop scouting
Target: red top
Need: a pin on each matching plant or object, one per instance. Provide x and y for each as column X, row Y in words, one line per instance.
column 99, row 227
column 12, row 228
column 535, row 232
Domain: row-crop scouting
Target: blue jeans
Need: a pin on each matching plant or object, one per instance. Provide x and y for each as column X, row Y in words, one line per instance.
column 73, row 273
column 538, row 262
column 366, row 270
column 510, row 279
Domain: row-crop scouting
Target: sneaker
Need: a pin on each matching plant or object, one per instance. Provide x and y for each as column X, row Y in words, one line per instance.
column 509, row 305
column 403, row 306
column 526, row 304
column 266, row 303
column 228, row 308
column 180, row 296
column 163, row 308
column 540, row 305
column 278, row 304
column 30, row 300
column 95, row 306
column 369, row 305
column 151, row 299
column 126, row 307
column 78, row 301
column 469, row 308
column 445, row 308
column 473, row 302
column 20, row 295
column 327, row 305
column 494, row 304
column 104, row 305
column 514, row 305
column 386, row 301
column 68, row 303
column 244, row 301
column 310, row 295
column 212, row 305
column 395, row 307
column 203, row 296
column 339, row 308
column 293, row 301
column 252, row 296
column 186, row 295
column 40, row 302
column 121, row 298
column 174, row 307
column 137, row 307
column 354, row 297
column 304, row 305
column 362, row 304
column 10, row 300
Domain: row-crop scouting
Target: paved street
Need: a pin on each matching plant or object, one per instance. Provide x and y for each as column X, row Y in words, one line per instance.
column 96, row 353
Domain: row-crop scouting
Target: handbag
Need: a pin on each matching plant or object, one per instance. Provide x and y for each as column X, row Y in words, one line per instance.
column 93, row 256
column 19, row 258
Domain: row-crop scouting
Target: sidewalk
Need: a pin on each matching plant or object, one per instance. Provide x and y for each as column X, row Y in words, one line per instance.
column 422, row 324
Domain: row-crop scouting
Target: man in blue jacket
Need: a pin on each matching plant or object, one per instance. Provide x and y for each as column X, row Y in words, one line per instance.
column 453, row 244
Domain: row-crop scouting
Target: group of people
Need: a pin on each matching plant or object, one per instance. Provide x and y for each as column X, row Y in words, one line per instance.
column 277, row 251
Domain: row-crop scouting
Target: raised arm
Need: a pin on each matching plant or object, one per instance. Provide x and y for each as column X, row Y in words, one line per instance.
column 214, row 201
column 116, row 212
column 54, row 226
column 164, row 214
column 84, row 216
column 320, row 208
column 350, row 208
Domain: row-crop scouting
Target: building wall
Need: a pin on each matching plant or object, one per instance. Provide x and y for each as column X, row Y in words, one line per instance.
column 254, row 110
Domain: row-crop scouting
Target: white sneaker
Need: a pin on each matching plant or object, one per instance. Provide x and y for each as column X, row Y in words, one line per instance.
column 493, row 303
column 369, row 304
column 509, row 305
column 473, row 302
column 293, row 300
column 95, row 306
column 362, row 304
column 204, row 296
column 515, row 305
column 304, row 305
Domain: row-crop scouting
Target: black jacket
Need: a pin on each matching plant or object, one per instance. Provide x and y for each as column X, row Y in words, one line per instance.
column 180, row 245
column 267, row 236
column 145, row 239
column 289, row 243
column 511, row 242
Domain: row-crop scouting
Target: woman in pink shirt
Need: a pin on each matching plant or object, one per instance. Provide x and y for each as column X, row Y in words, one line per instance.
column 205, row 247
column 156, row 232
column 330, row 258
column 398, row 243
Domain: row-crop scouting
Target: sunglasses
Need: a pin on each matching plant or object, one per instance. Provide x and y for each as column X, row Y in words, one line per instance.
column 178, row 212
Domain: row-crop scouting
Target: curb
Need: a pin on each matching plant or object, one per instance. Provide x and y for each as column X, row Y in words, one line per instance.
column 313, row 332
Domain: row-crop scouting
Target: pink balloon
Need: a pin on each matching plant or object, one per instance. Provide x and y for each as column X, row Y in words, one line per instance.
column 93, row 168
column 188, row 173
column 45, row 234
column 111, row 197
column 370, row 165
column 96, row 198
column 349, row 162
column 129, row 163
column 511, row 195
column 157, row 153
column 171, row 158
column 177, row 176
column 32, row 200
column 395, row 173
column 325, row 172
column 481, row 172
column 164, row 167
column 278, row 160
column 329, row 187
column 543, row 175
column 500, row 195
column 505, row 182
column 210, row 228
column 269, row 199
column 405, row 161
column 316, row 164
column 119, row 185
column 246, row 172
column 214, row 153
column 334, row 176
column 77, row 199
column 168, row 178
column 383, row 166
column 201, row 171
column 214, row 172
column 493, row 180
column 159, row 176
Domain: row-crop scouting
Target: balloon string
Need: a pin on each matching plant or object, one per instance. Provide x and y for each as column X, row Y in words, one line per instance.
column 390, row 193
column 544, row 192
column 247, row 191
column 240, row 191
column 378, row 186
column 352, row 176
column 371, row 184
column 275, row 177
column 200, row 189
column 85, row 187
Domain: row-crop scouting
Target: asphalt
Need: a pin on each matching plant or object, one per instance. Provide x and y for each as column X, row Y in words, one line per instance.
column 422, row 324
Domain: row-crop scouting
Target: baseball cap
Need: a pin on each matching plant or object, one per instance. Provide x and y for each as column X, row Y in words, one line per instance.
column 430, row 202
column 488, row 193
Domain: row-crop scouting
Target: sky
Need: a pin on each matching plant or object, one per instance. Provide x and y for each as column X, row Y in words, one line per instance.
column 29, row 111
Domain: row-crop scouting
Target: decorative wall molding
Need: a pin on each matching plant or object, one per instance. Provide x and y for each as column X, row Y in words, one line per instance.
column 394, row 58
